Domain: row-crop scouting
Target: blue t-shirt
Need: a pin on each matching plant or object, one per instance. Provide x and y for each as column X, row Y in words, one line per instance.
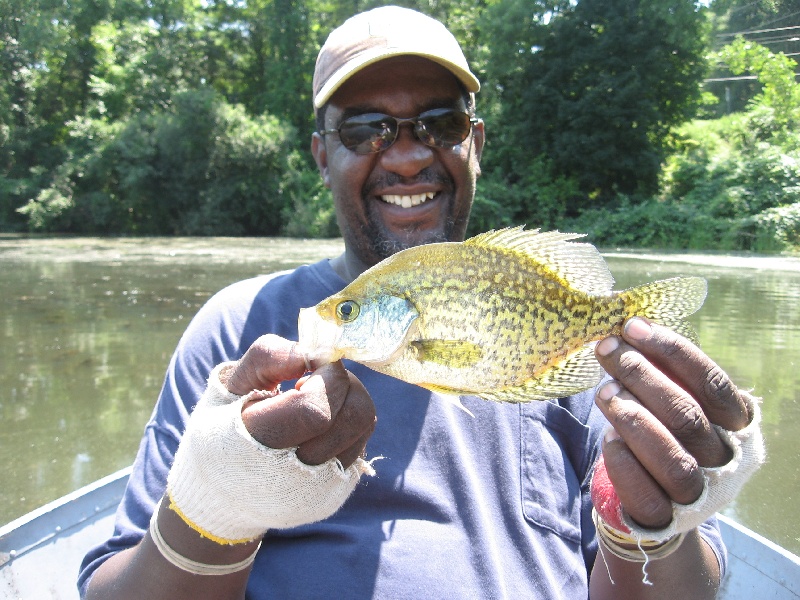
column 491, row 506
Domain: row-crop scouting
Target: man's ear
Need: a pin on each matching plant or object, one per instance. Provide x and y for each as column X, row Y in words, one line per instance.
column 320, row 154
column 478, row 140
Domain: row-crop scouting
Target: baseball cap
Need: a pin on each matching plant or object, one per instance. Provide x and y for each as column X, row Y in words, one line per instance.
column 381, row 33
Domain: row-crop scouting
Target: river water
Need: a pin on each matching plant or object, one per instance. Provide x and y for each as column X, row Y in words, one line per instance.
column 87, row 326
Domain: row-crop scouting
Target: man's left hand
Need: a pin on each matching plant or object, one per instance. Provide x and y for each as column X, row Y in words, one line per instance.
column 665, row 396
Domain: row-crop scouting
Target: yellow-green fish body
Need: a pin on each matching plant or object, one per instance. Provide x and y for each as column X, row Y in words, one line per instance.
column 506, row 315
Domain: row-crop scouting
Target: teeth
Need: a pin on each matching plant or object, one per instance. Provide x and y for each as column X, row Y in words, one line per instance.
column 408, row 201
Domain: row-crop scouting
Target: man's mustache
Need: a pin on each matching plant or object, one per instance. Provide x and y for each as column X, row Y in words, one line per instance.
column 389, row 179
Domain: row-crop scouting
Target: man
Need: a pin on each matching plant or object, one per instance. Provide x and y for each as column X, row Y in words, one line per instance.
column 496, row 505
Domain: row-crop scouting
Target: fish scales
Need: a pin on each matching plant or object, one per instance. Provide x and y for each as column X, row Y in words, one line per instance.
column 507, row 315
column 534, row 320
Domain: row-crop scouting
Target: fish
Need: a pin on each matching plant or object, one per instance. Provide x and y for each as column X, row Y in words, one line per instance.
column 510, row 315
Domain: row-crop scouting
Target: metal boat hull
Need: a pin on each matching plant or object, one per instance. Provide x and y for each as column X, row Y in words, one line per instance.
column 59, row 534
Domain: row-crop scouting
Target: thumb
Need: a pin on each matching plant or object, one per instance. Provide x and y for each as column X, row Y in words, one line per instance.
column 270, row 360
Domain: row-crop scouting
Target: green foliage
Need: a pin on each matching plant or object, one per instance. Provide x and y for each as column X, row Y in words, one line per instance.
column 311, row 213
column 277, row 50
column 778, row 103
column 31, row 107
column 731, row 183
column 775, row 229
column 596, row 86
column 223, row 172
column 649, row 224
column 538, row 198
column 185, row 117
column 722, row 188
column 767, row 21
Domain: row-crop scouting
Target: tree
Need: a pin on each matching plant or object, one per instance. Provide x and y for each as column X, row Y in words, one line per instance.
column 35, row 38
column 780, row 93
column 770, row 23
column 595, row 87
column 197, row 167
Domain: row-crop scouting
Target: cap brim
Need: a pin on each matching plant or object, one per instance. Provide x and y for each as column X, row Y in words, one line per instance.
column 468, row 80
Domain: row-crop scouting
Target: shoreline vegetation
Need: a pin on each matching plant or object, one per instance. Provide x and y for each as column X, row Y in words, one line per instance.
column 34, row 247
column 654, row 125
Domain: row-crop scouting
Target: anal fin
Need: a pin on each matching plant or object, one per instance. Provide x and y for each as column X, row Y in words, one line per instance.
column 577, row 372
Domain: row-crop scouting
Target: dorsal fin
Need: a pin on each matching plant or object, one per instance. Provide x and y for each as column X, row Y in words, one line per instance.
column 578, row 264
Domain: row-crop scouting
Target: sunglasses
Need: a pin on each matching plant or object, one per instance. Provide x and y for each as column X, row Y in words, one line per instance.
column 375, row 132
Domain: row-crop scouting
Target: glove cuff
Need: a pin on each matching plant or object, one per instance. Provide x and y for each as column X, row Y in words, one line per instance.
column 721, row 485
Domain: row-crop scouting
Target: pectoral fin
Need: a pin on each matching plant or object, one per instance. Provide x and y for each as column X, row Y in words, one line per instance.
column 451, row 353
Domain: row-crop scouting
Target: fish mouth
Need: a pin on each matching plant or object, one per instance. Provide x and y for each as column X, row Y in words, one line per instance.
column 407, row 200
column 317, row 338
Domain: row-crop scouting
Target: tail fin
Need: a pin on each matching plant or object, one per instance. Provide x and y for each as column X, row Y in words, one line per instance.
column 668, row 302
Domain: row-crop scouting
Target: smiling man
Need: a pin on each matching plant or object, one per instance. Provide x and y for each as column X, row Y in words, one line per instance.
column 390, row 190
column 242, row 488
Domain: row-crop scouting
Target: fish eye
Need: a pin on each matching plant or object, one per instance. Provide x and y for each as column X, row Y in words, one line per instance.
column 347, row 311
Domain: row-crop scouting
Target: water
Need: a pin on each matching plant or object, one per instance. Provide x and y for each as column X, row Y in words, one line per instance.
column 88, row 325
column 750, row 325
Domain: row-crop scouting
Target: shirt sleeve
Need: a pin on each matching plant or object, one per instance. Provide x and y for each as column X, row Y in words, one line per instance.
column 710, row 532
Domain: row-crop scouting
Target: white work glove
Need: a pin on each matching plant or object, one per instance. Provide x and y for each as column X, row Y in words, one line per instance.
column 722, row 484
column 231, row 489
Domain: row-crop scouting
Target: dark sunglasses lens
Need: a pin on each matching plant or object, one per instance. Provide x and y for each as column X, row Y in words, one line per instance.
column 374, row 132
column 368, row 133
column 443, row 127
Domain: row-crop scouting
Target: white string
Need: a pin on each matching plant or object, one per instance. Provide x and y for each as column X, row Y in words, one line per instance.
column 644, row 556
column 189, row 565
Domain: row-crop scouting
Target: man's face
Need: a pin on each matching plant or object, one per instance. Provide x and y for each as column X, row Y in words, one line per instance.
column 370, row 191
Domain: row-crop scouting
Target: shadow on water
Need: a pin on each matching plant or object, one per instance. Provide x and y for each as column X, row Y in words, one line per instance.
column 88, row 326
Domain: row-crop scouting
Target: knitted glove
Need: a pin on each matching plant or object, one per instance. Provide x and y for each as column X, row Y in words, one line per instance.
column 722, row 484
column 231, row 489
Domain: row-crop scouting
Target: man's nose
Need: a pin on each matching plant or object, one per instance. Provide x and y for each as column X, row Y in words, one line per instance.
column 407, row 156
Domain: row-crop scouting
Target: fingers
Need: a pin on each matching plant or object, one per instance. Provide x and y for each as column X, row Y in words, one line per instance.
column 647, row 465
column 349, row 430
column 685, row 363
column 672, row 403
column 644, row 499
column 664, row 398
column 328, row 414
column 270, row 360
column 648, row 442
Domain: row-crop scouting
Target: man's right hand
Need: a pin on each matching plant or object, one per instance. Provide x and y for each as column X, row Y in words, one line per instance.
column 328, row 414
column 254, row 458
column 238, row 490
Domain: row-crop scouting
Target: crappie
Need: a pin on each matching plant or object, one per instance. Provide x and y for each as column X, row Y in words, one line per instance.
column 507, row 315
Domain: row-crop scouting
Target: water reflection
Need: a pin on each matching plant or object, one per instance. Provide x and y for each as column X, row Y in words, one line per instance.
column 88, row 326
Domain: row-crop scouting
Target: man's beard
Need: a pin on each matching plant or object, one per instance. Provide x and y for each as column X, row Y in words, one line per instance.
column 383, row 246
